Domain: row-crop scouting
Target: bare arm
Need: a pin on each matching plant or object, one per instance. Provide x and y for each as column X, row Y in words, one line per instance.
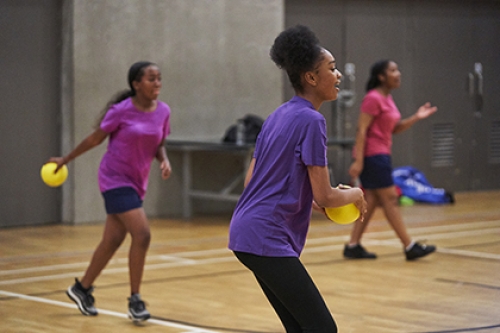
column 161, row 156
column 327, row 196
column 364, row 122
column 94, row 139
column 249, row 172
column 423, row 112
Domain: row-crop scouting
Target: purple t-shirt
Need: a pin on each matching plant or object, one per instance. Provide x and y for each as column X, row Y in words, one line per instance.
column 134, row 138
column 272, row 215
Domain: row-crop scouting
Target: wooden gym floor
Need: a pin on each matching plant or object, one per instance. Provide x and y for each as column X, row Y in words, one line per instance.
column 192, row 283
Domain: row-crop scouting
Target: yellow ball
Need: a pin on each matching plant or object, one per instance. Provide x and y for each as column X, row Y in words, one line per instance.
column 343, row 215
column 53, row 179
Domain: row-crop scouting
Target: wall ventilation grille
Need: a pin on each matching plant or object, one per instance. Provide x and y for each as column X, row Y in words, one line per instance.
column 443, row 145
column 494, row 149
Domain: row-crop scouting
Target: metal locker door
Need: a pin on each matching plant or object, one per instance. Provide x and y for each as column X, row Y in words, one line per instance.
column 484, row 97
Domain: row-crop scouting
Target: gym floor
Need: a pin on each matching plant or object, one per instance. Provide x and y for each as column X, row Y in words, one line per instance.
column 192, row 283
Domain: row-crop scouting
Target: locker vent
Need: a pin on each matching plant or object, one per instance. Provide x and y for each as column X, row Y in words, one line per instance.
column 495, row 143
column 443, row 145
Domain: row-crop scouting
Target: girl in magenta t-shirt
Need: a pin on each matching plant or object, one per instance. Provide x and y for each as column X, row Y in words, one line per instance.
column 137, row 124
column 378, row 121
column 287, row 172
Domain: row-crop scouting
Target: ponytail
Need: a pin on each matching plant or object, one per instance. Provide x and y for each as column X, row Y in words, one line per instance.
column 135, row 73
column 377, row 69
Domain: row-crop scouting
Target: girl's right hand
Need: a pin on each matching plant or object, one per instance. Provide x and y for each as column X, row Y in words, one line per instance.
column 355, row 169
column 361, row 205
column 60, row 161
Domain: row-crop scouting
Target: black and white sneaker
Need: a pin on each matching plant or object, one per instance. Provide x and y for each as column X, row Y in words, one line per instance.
column 357, row 252
column 418, row 251
column 83, row 298
column 137, row 309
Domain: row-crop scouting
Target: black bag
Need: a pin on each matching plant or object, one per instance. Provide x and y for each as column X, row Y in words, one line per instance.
column 253, row 125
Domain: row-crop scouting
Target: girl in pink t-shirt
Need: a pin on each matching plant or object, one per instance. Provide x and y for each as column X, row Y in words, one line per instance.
column 378, row 120
column 137, row 124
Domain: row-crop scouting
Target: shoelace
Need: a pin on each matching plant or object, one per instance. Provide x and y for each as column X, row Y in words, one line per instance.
column 89, row 298
column 138, row 305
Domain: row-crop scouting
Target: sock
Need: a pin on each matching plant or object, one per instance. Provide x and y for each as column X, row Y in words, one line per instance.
column 352, row 246
column 408, row 248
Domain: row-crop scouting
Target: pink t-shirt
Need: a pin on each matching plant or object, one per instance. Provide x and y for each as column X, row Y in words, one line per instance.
column 134, row 137
column 385, row 117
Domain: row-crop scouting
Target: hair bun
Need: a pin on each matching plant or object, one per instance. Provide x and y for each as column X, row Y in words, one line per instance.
column 296, row 50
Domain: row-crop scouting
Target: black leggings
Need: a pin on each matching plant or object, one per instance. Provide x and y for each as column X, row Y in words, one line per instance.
column 291, row 292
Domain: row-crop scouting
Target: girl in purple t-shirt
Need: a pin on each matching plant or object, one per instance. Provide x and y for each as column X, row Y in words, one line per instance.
column 378, row 121
column 137, row 124
column 288, row 176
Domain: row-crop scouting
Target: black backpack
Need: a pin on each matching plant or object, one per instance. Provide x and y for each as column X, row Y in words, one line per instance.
column 253, row 125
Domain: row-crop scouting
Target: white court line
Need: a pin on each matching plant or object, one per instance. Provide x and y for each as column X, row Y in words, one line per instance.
column 464, row 253
column 310, row 241
column 119, row 270
column 42, row 268
column 176, row 258
column 192, row 262
column 185, row 328
column 464, row 234
column 167, row 257
column 432, row 231
column 473, row 254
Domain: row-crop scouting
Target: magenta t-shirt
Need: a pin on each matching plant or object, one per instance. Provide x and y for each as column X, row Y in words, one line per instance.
column 134, row 138
column 385, row 117
column 272, row 215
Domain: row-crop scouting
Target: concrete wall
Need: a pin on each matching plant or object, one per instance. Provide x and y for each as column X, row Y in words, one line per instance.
column 215, row 64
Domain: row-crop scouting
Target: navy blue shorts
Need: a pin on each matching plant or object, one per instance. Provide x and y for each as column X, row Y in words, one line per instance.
column 120, row 200
column 377, row 172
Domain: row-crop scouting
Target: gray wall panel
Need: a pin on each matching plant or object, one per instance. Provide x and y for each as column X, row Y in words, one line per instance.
column 435, row 44
column 29, row 113
column 215, row 65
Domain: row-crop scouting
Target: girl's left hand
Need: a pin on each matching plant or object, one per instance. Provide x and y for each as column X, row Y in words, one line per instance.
column 318, row 208
column 166, row 169
column 425, row 111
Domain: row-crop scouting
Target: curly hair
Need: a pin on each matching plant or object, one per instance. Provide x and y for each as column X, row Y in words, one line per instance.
column 296, row 50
